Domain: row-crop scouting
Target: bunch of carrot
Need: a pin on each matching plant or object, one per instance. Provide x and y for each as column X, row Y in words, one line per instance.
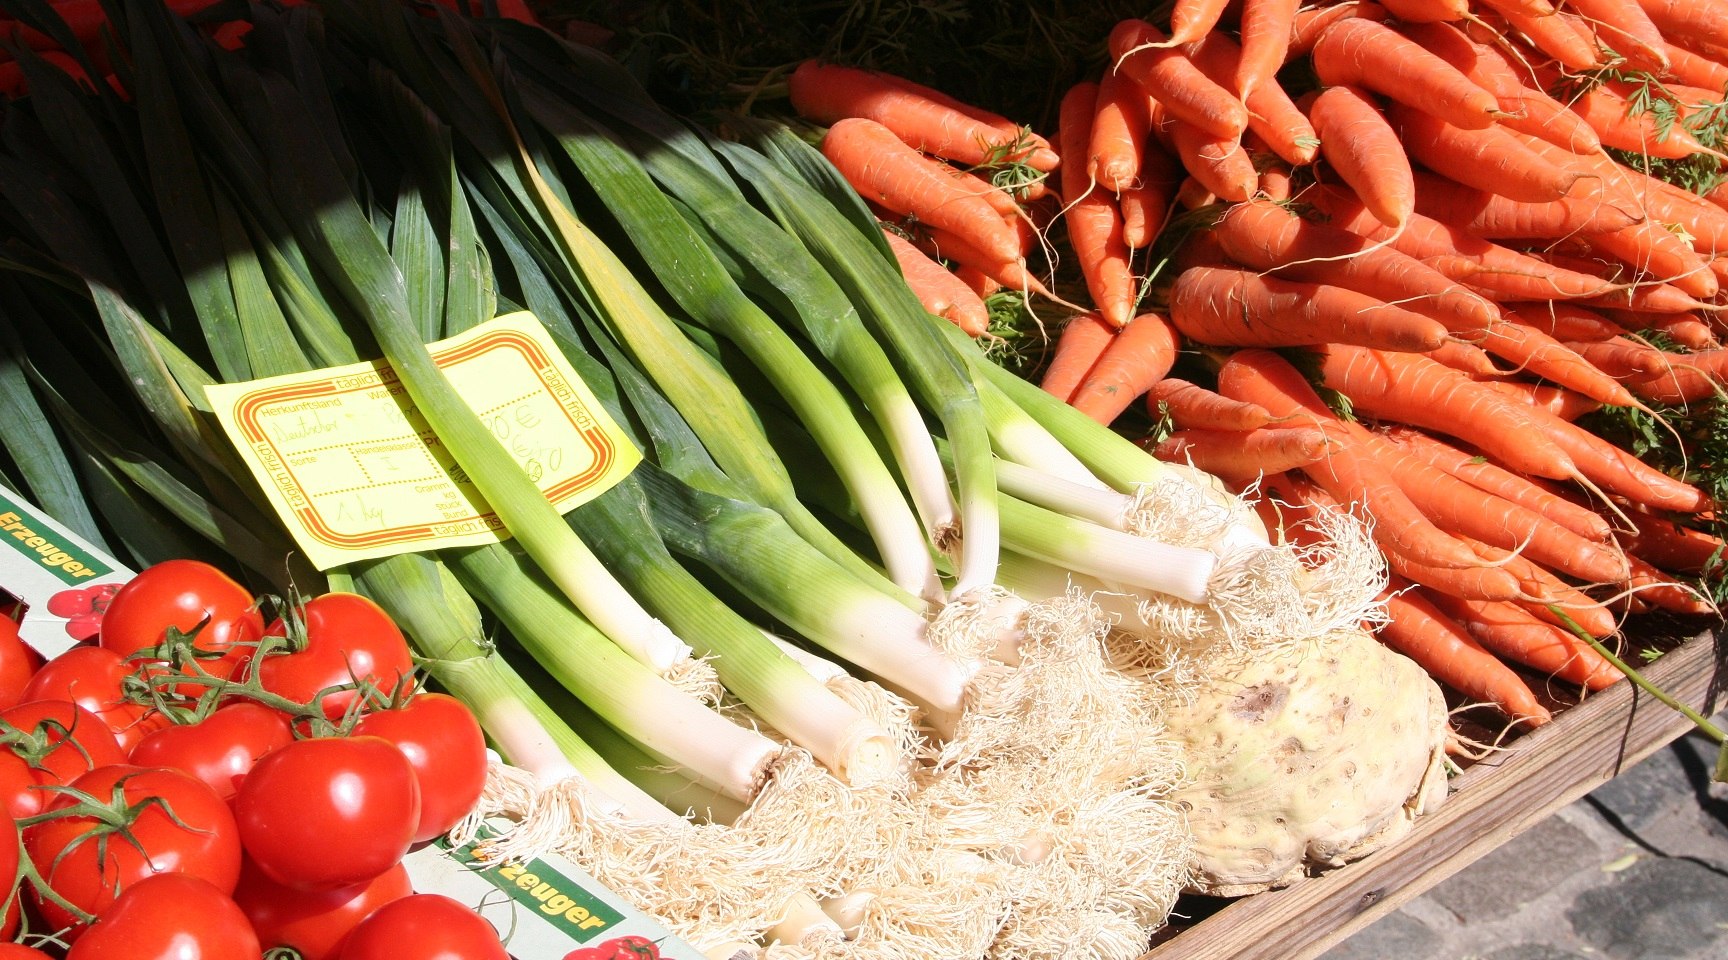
column 1479, row 223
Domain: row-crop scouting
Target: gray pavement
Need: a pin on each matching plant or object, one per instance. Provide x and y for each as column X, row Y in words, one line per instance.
column 1636, row 870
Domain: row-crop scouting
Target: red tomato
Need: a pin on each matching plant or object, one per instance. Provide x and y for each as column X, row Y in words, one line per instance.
column 444, row 744
column 330, row 812
column 618, row 948
column 181, row 594
column 348, row 638
column 169, row 916
column 16, row 665
column 83, row 609
column 18, row 951
column 425, row 926
column 50, row 742
column 220, row 749
column 94, row 678
column 313, row 923
column 70, row 853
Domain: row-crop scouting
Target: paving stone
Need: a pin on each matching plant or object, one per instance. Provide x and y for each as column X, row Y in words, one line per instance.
column 1398, row 935
column 1517, row 872
column 1532, row 951
column 1657, row 909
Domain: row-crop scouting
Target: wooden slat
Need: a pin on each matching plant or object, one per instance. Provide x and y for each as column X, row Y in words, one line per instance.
column 1492, row 802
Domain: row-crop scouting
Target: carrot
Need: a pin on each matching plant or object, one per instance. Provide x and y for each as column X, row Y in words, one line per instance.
column 1475, row 583
column 1012, row 274
column 1265, row 30
column 1478, row 64
column 1516, row 634
column 1658, row 589
column 882, row 168
column 1312, row 21
column 1078, row 347
column 941, row 293
column 1619, row 356
column 1144, row 210
column 1375, row 56
column 1686, row 329
column 1554, row 35
column 1466, row 358
column 1541, row 587
column 1625, row 27
column 1493, row 216
column 1360, row 145
column 975, row 279
column 1559, row 401
column 1465, row 510
column 1426, row 11
column 1173, row 80
column 1404, row 388
column 1193, row 407
column 1491, row 159
column 1539, row 115
column 1538, row 353
column 828, row 93
column 1706, row 21
column 1622, row 127
column 1120, row 125
column 1669, row 545
column 1533, row 8
column 1218, row 163
column 1272, row 115
column 1618, row 472
column 1191, row 20
column 1689, row 378
column 1564, row 321
column 1699, row 71
column 1139, row 355
column 1349, row 474
column 1042, row 157
column 1492, row 478
column 1441, row 646
column 1226, row 307
column 1652, row 250
column 1093, row 221
column 1266, row 236
column 1277, row 184
column 1191, row 194
column 998, row 198
column 1242, row 456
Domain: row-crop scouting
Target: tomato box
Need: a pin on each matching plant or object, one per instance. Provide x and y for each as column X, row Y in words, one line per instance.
column 552, row 908
column 53, row 582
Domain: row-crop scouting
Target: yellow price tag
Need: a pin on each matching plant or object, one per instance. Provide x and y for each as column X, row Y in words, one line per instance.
column 355, row 472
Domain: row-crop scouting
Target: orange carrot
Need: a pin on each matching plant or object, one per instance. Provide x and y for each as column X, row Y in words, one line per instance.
column 1554, row 35
column 1218, row 163
column 1564, row 321
column 1513, row 632
column 1361, row 146
column 1658, row 589
column 975, row 280
column 1466, row 358
column 1490, row 159
column 1625, row 27
column 1559, row 401
column 941, row 293
column 1226, row 307
column 1493, row 216
column 1404, row 388
column 1173, row 80
column 1670, row 545
column 1348, row 474
column 1654, row 251
column 882, row 168
column 1485, row 475
column 1145, row 209
column 1541, row 588
column 1265, row 31
column 1697, row 70
column 1465, row 510
column 1267, row 236
column 1373, row 55
column 1538, row 353
column 830, row 93
column 1138, row 356
column 1190, row 20
column 1686, row 329
column 1688, row 378
column 1620, row 356
column 1473, row 583
column 1312, row 21
column 1120, row 125
column 1191, row 406
column 943, row 245
column 1272, row 115
column 1094, row 224
column 1277, row 184
column 1426, row 11
column 1620, row 126
column 1078, row 347
column 1441, row 646
column 1617, row 471
column 1242, row 456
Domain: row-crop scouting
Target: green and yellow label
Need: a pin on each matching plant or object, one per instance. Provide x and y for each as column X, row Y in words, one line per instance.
column 560, row 900
column 46, row 547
